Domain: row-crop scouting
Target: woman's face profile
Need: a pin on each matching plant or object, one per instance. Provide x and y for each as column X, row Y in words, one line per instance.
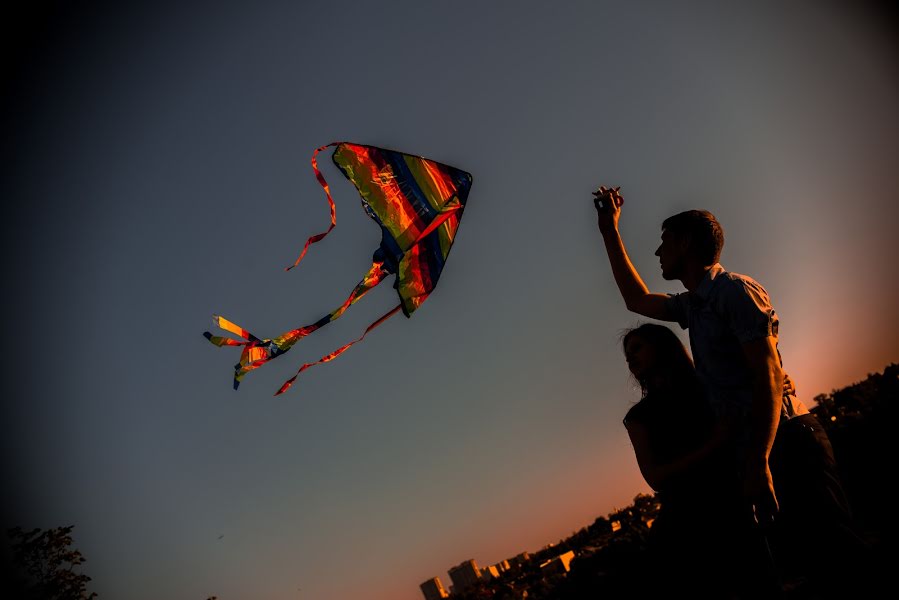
column 640, row 356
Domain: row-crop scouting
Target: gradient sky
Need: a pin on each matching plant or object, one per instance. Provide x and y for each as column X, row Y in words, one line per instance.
column 156, row 171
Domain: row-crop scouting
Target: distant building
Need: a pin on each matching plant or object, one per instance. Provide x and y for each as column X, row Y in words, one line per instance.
column 558, row 565
column 490, row 572
column 464, row 575
column 433, row 589
column 520, row 560
column 616, row 525
column 500, row 567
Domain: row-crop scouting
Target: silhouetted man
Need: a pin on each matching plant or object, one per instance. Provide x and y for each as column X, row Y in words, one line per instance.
column 781, row 450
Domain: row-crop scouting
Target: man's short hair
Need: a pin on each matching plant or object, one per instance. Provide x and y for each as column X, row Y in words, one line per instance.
column 704, row 231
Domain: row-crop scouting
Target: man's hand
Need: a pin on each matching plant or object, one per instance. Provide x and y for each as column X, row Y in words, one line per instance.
column 789, row 386
column 758, row 489
column 608, row 203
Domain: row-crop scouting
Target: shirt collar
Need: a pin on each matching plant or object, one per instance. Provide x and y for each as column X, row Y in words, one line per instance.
column 702, row 291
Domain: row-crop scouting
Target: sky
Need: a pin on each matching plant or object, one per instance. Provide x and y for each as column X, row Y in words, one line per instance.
column 156, row 172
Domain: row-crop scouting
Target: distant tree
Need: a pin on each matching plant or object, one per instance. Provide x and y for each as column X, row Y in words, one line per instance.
column 646, row 507
column 859, row 420
column 874, row 398
column 50, row 568
column 600, row 526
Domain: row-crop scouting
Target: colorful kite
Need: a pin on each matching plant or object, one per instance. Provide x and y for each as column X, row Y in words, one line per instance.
column 417, row 202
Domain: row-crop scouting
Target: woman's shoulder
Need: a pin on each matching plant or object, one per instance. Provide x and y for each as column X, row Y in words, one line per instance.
column 639, row 412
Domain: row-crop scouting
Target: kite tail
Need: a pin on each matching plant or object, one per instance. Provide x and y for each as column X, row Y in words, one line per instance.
column 338, row 352
column 257, row 351
column 321, row 180
column 375, row 275
column 220, row 341
column 223, row 323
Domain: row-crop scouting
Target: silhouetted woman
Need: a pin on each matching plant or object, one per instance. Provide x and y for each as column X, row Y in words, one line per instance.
column 679, row 450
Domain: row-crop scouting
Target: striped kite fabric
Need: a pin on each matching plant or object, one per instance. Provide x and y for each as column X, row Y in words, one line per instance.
column 418, row 204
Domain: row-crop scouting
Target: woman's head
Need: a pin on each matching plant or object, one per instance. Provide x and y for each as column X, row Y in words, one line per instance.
column 656, row 356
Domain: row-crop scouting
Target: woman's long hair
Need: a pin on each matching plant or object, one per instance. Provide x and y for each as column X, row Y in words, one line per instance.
column 672, row 361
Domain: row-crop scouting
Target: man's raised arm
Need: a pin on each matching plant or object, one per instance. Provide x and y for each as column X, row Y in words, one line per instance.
column 636, row 295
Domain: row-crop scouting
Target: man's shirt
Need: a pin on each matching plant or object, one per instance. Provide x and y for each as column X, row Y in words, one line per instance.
column 725, row 311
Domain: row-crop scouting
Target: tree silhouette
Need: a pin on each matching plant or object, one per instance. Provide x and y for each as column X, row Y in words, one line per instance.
column 50, row 568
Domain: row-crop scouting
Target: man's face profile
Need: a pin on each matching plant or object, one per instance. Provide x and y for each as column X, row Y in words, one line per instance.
column 672, row 253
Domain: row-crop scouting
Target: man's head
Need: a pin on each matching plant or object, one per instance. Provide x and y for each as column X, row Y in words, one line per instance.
column 691, row 237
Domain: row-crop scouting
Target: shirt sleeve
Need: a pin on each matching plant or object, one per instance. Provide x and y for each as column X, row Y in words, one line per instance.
column 747, row 310
column 678, row 306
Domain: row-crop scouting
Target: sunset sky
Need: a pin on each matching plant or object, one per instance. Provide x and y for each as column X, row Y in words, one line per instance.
column 156, row 172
